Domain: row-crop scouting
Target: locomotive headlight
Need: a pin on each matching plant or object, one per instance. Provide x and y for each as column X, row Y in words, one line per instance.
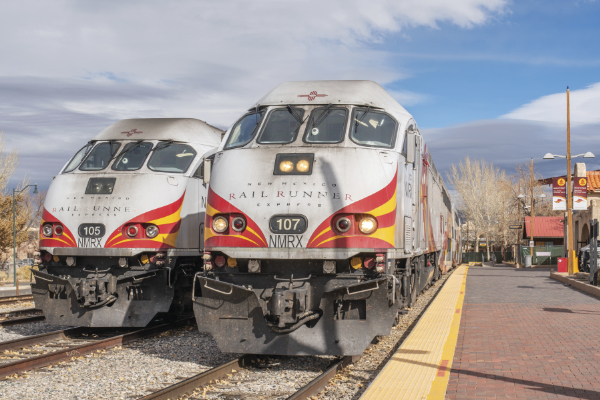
column 286, row 166
column 47, row 230
column 343, row 224
column 367, row 225
column 132, row 231
column 238, row 224
column 58, row 230
column 152, row 231
column 219, row 224
column 302, row 165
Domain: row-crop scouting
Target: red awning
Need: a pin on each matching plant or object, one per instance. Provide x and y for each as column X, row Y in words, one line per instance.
column 545, row 227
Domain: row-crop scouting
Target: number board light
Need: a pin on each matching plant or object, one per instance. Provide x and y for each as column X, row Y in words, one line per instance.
column 288, row 224
column 294, row 164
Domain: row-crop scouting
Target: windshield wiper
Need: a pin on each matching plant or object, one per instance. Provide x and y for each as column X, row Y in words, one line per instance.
column 127, row 150
column 163, row 144
column 359, row 121
column 295, row 113
column 323, row 115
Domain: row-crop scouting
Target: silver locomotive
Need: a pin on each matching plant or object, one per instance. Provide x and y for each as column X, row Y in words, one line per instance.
column 326, row 217
column 121, row 231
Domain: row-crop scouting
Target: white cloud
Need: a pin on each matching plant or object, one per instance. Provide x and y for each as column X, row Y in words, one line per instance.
column 584, row 106
column 507, row 142
column 70, row 68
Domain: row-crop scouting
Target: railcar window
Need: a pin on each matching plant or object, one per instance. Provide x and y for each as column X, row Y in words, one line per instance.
column 78, row 157
column 373, row 128
column 132, row 157
column 171, row 158
column 100, row 157
column 244, row 130
column 282, row 125
column 326, row 125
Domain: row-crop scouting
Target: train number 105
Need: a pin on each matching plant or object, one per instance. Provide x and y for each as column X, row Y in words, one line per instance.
column 91, row 230
column 288, row 224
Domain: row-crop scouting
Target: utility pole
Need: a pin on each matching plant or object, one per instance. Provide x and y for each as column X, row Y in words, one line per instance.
column 570, row 251
column 531, row 243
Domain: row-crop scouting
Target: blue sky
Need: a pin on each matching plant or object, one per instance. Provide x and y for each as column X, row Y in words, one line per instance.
column 483, row 78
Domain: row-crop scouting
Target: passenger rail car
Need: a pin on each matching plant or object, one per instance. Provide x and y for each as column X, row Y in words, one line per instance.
column 325, row 218
column 121, row 231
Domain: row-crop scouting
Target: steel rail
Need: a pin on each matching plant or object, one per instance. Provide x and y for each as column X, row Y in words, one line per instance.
column 22, row 320
column 179, row 389
column 188, row 385
column 21, row 312
column 75, row 351
column 317, row 385
column 16, row 299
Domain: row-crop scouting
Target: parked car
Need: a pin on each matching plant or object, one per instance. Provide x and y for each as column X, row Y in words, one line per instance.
column 584, row 258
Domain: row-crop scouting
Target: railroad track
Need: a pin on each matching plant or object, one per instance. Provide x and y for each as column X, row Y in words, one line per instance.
column 21, row 316
column 187, row 386
column 49, row 348
column 15, row 299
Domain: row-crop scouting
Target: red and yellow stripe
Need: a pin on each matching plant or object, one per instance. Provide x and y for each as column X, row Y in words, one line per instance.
column 381, row 205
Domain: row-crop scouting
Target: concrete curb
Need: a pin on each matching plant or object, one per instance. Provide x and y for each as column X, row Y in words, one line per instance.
column 584, row 287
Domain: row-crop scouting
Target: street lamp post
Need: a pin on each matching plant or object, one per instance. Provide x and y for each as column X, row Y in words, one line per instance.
column 569, row 192
column 15, row 191
column 522, row 196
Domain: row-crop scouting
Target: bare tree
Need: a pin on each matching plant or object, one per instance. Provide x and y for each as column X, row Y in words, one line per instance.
column 24, row 204
column 476, row 184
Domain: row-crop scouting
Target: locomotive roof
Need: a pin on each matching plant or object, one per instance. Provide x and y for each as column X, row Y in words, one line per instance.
column 188, row 130
column 367, row 93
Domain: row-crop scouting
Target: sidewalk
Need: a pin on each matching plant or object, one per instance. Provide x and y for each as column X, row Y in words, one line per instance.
column 524, row 335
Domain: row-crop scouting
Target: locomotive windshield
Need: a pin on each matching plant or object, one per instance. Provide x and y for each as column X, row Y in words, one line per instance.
column 171, row 158
column 132, row 157
column 372, row 128
column 78, row 157
column 243, row 131
column 282, row 125
column 100, row 157
column 326, row 125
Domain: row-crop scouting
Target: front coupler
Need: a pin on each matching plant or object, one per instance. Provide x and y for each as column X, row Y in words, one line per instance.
column 108, row 298
column 308, row 316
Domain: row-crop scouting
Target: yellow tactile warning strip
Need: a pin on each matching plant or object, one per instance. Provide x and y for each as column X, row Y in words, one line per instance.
column 421, row 367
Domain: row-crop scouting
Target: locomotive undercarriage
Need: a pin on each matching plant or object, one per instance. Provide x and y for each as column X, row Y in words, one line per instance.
column 293, row 308
column 100, row 293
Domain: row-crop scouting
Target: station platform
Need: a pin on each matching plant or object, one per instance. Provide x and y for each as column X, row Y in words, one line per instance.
column 514, row 333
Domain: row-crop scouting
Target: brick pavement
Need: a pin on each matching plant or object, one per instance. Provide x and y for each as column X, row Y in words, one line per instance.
column 526, row 336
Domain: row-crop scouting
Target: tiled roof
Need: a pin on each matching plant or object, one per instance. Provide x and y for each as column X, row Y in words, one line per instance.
column 545, row 227
column 593, row 178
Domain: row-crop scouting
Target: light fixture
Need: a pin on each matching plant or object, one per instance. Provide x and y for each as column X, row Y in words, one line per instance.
column 47, row 230
column 549, row 156
column 302, row 165
column 367, row 225
column 122, row 262
column 238, row 224
column 254, row 266
column 151, row 231
column 286, row 166
column 70, row 261
column 219, row 224
column 329, row 267
column 343, row 224
column 589, row 154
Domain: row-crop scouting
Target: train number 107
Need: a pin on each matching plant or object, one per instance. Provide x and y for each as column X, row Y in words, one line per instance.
column 288, row 224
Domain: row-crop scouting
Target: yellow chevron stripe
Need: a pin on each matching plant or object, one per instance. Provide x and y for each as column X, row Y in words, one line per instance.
column 386, row 208
column 211, row 211
column 243, row 237
column 169, row 219
column 323, row 232
column 255, row 234
column 385, row 234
